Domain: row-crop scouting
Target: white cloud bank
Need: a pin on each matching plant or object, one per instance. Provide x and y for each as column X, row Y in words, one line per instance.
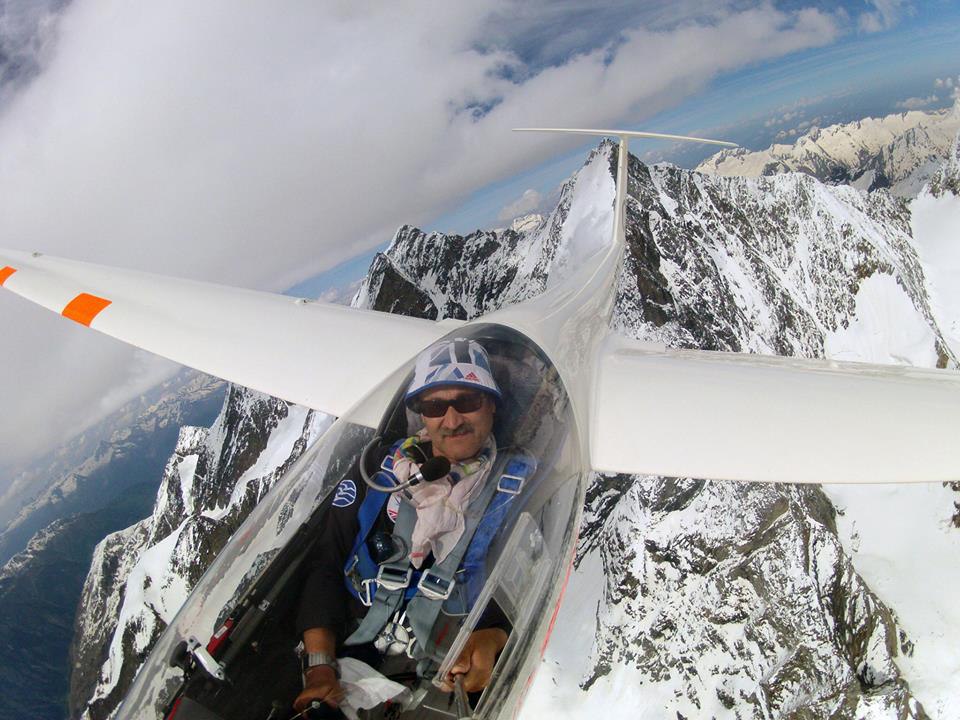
column 252, row 145
column 916, row 103
column 947, row 88
column 529, row 201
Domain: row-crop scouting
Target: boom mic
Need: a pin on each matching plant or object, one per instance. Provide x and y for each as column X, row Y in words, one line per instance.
column 433, row 469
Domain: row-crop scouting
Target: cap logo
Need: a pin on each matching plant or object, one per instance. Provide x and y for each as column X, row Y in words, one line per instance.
column 452, row 362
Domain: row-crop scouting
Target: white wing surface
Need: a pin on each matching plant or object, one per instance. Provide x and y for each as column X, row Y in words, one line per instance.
column 316, row 354
column 770, row 419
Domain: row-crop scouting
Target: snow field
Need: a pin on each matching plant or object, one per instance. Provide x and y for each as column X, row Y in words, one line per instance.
column 936, row 233
column 902, row 543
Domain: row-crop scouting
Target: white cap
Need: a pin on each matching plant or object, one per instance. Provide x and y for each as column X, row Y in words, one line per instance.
column 458, row 362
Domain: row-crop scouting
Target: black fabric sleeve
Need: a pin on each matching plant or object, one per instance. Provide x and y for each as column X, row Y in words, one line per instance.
column 494, row 617
column 325, row 601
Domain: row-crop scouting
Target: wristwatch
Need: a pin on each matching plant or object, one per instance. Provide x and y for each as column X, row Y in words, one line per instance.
column 312, row 660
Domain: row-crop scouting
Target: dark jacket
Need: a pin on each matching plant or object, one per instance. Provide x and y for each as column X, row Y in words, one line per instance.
column 325, row 601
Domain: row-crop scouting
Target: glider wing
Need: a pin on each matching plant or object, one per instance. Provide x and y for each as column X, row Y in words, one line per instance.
column 759, row 418
column 316, row 354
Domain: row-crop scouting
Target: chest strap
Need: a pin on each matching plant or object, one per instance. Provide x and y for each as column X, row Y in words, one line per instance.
column 397, row 582
column 389, row 586
column 361, row 571
column 438, row 581
column 512, row 472
column 519, row 469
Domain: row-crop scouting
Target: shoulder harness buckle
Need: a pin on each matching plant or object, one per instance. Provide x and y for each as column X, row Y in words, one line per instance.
column 387, row 463
column 510, row 484
column 435, row 586
column 515, row 474
column 392, row 576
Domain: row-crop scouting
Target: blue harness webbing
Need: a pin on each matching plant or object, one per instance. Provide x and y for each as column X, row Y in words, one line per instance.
column 361, row 570
column 518, row 470
column 359, row 563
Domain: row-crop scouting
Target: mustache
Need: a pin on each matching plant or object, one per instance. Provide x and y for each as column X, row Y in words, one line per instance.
column 464, row 429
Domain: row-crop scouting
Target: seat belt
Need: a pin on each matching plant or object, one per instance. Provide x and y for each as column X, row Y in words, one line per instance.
column 399, row 576
column 519, row 469
column 395, row 581
column 392, row 581
column 436, row 584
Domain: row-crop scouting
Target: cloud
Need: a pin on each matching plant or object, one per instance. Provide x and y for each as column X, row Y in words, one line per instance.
column 27, row 37
column 782, row 119
column 233, row 143
column 341, row 295
column 523, row 205
column 799, row 129
column 885, row 15
column 951, row 84
column 915, row 103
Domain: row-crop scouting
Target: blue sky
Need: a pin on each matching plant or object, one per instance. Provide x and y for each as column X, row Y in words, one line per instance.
column 232, row 143
column 861, row 74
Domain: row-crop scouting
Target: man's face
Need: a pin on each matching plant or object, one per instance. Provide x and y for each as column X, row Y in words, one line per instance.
column 458, row 436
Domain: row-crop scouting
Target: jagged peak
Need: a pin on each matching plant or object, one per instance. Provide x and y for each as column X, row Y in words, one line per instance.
column 887, row 152
column 526, row 223
column 694, row 281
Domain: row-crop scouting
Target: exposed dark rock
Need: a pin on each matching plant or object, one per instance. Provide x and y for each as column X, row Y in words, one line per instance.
column 740, row 597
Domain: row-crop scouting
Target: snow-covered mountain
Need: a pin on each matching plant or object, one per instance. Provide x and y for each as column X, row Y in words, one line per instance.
column 100, row 481
column 690, row 598
column 130, row 446
column 899, row 152
column 140, row 576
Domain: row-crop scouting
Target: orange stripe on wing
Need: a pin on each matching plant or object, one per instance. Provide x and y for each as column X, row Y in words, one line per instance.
column 5, row 273
column 84, row 308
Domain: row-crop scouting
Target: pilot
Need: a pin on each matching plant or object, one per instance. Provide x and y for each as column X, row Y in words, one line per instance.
column 456, row 396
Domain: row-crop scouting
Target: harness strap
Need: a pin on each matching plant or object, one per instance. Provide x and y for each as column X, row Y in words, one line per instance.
column 511, row 472
column 427, row 590
column 423, row 609
column 519, row 469
column 387, row 597
column 360, row 567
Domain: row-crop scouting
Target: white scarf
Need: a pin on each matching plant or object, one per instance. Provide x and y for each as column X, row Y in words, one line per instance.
column 441, row 504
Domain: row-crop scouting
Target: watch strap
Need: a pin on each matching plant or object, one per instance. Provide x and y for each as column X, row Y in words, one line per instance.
column 311, row 660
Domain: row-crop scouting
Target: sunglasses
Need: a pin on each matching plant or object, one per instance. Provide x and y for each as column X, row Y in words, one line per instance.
column 466, row 403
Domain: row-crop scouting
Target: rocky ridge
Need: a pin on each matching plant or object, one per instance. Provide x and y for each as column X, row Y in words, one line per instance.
column 140, row 576
column 694, row 598
column 765, row 265
column 899, row 152
column 129, row 447
column 437, row 276
column 947, row 178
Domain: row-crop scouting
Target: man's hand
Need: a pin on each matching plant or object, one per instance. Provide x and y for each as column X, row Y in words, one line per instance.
column 320, row 682
column 476, row 661
column 321, row 685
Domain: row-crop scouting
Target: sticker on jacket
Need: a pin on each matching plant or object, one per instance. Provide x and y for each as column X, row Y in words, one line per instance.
column 345, row 494
column 393, row 507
